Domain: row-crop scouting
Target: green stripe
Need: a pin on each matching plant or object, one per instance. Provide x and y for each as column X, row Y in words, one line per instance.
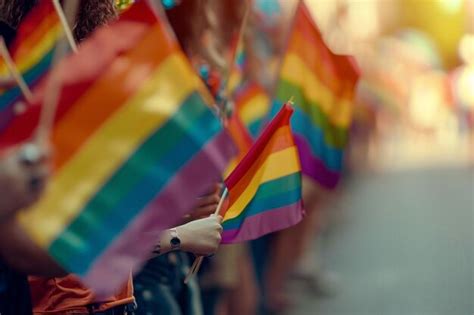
column 138, row 180
column 333, row 135
column 270, row 195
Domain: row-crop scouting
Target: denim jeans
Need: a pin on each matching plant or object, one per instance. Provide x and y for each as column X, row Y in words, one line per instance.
column 14, row 292
column 160, row 289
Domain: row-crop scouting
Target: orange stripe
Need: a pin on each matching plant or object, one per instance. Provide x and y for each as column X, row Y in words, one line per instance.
column 103, row 98
column 239, row 134
column 316, row 62
column 250, row 93
column 47, row 25
column 281, row 139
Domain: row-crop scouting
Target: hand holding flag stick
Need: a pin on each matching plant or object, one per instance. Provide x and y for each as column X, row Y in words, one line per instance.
column 198, row 261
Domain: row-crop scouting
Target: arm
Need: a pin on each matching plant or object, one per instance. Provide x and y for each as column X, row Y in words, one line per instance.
column 201, row 237
column 18, row 251
column 23, row 173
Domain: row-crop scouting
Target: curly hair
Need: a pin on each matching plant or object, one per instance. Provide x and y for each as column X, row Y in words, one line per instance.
column 92, row 14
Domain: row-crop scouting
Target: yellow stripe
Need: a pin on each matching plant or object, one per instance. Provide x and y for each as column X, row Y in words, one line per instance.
column 36, row 53
column 278, row 164
column 295, row 71
column 108, row 148
column 255, row 108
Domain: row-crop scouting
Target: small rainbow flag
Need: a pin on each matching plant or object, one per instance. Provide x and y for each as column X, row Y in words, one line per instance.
column 252, row 104
column 265, row 187
column 32, row 52
column 133, row 152
column 82, row 73
column 322, row 85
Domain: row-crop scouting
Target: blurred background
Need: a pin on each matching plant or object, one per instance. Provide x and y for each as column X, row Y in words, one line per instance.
column 398, row 235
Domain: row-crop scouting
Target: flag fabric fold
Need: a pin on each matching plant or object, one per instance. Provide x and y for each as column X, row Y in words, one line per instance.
column 322, row 85
column 135, row 145
column 265, row 187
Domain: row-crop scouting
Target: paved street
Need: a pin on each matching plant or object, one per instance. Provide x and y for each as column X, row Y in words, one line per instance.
column 404, row 246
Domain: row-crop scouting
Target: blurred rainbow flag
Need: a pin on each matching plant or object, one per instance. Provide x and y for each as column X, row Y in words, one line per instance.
column 32, row 52
column 265, row 187
column 322, row 85
column 81, row 73
column 134, row 149
column 241, row 138
column 252, row 104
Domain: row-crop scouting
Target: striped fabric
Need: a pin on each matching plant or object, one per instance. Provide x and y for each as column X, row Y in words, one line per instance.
column 133, row 151
column 80, row 71
column 265, row 188
column 32, row 52
column 252, row 105
column 322, row 85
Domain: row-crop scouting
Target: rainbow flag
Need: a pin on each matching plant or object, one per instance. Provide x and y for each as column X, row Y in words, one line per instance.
column 252, row 105
column 32, row 52
column 82, row 73
column 322, row 85
column 133, row 151
column 265, row 188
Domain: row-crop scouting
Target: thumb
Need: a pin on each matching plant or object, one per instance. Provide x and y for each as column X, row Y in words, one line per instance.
column 217, row 217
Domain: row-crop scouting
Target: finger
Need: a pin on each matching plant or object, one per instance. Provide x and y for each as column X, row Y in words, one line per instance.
column 219, row 218
column 208, row 200
column 205, row 211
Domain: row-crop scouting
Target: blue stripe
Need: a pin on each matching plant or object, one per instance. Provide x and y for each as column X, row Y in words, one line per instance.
column 270, row 195
column 148, row 183
column 31, row 78
column 302, row 125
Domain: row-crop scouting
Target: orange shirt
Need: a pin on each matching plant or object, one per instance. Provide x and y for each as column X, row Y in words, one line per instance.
column 67, row 294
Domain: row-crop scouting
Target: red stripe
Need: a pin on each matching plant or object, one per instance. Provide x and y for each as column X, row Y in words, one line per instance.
column 78, row 72
column 260, row 146
column 338, row 72
column 37, row 15
column 103, row 98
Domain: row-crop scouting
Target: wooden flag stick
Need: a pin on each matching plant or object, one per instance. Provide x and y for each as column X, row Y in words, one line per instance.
column 53, row 86
column 198, row 261
column 65, row 24
column 15, row 72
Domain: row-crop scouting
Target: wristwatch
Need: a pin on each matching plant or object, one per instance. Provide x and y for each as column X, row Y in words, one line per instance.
column 175, row 242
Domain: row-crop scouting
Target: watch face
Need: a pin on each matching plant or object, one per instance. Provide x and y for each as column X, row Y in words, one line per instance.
column 175, row 242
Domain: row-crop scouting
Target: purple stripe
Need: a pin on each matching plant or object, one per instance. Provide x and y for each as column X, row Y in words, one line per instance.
column 263, row 223
column 313, row 167
column 134, row 245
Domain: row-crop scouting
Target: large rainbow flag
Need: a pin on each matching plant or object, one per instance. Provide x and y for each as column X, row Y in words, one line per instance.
column 252, row 104
column 133, row 152
column 32, row 52
column 265, row 187
column 322, row 84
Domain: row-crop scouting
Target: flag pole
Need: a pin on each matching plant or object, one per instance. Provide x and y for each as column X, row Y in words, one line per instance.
column 198, row 261
column 25, row 90
column 65, row 24
column 53, row 85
